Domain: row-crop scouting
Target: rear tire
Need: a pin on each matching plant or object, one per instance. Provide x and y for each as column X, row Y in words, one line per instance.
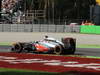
column 69, row 45
column 58, row 50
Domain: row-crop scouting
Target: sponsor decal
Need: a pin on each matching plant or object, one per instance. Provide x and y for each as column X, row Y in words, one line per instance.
column 49, row 63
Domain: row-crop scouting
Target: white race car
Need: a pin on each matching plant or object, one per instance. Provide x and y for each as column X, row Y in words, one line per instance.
column 67, row 45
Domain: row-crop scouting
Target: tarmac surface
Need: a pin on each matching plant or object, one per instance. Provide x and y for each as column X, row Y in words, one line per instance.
column 83, row 39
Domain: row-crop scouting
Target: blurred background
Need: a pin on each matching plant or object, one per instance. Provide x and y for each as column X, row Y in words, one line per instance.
column 60, row 12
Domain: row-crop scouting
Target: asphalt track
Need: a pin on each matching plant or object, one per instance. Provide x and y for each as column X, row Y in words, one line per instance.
column 79, row 51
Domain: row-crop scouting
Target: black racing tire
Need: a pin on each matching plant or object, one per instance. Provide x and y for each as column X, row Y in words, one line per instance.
column 17, row 48
column 72, row 47
column 69, row 45
column 58, row 50
column 72, row 50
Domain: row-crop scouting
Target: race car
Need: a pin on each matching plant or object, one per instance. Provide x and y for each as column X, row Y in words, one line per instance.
column 67, row 45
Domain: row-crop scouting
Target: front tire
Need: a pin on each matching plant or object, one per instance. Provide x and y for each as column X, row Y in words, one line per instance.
column 17, row 48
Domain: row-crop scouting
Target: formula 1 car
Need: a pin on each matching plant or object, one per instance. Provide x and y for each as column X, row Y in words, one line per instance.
column 67, row 45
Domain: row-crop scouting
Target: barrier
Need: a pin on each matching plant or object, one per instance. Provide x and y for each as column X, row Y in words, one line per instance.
column 38, row 28
column 90, row 29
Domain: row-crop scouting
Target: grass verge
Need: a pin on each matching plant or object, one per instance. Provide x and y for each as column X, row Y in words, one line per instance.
column 5, row 43
column 7, row 71
column 88, row 46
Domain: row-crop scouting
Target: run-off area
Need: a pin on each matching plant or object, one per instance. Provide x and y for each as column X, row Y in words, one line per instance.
column 49, row 63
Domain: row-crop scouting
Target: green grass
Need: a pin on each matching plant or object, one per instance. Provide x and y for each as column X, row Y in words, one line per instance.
column 8, row 71
column 93, row 57
column 5, row 43
column 88, row 46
